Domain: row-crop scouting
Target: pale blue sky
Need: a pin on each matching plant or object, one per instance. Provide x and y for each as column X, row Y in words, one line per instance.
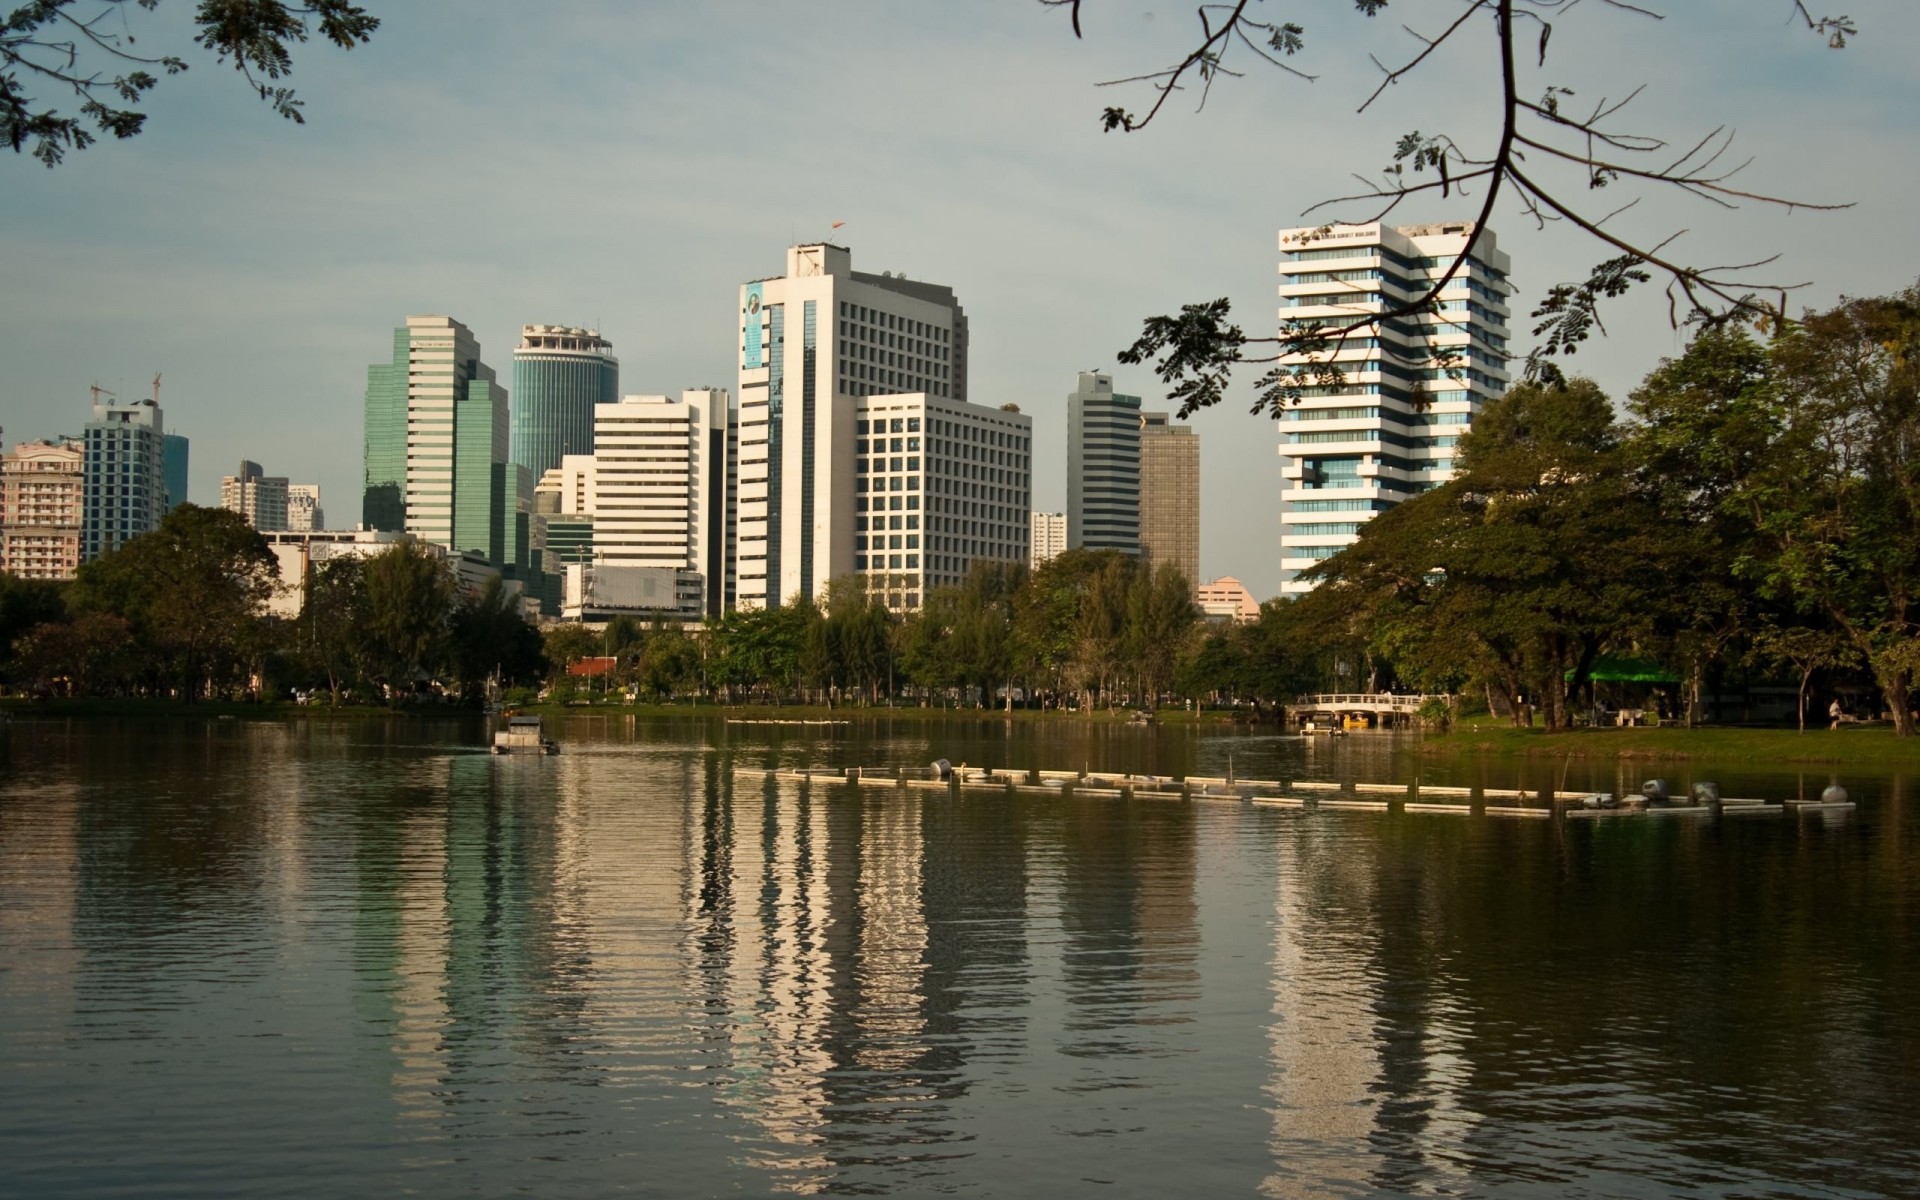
column 627, row 165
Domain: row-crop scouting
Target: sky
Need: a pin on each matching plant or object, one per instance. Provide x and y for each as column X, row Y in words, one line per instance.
column 627, row 166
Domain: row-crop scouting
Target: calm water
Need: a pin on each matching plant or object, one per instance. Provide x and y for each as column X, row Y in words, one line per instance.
column 243, row 959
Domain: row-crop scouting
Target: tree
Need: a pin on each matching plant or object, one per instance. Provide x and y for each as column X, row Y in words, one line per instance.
column 25, row 604
column 1806, row 651
column 489, row 639
column 193, row 589
column 1836, row 499
column 85, row 48
column 332, row 616
column 1542, row 153
column 409, row 601
column 1536, row 556
column 1160, row 616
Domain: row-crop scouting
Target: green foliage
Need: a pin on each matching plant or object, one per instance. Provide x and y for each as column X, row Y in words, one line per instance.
column 193, row 593
column 409, row 602
column 24, row 604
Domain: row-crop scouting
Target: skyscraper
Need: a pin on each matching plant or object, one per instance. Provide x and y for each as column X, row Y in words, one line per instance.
column 126, row 492
column 813, row 342
column 1170, row 495
column 42, row 490
column 1388, row 433
column 1103, row 467
column 436, row 446
column 1049, row 538
column 257, row 496
column 559, row 374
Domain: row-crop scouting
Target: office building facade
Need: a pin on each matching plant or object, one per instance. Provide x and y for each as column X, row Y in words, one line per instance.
column 560, row 374
column 261, row 498
column 1170, row 495
column 813, row 344
column 125, row 475
column 437, row 447
column 1103, row 466
column 658, row 490
column 1047, row 539
column 303, row 508
column 1412, row 384
column 42, row 501
column 938, row 485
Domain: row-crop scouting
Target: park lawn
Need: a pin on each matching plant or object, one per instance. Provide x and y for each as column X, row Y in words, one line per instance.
column 1865, row 745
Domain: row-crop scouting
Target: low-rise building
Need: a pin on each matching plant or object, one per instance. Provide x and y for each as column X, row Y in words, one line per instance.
column 1226, row 599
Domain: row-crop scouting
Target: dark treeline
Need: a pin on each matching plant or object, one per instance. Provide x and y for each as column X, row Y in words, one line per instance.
column 181, row 613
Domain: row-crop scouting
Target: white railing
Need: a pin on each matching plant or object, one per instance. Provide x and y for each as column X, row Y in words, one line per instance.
column 1368, row 701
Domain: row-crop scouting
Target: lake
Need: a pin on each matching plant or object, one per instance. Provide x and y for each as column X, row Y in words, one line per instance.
column 325, row 958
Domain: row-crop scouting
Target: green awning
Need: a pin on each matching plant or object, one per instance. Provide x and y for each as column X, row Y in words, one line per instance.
column 1624, row 668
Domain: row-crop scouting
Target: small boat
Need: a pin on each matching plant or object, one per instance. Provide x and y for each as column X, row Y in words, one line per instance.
column 523, row 736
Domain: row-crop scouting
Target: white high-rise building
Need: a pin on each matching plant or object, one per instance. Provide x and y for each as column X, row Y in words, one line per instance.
column 657, row 491
column 814, row 343
column 938, row 484
column 1049, row 538
column 259, row 497
column 1103, row 466
column 1388, row 433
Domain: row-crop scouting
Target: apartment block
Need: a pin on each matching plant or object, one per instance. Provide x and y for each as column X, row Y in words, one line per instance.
column 42, row 499
column 1412, row 384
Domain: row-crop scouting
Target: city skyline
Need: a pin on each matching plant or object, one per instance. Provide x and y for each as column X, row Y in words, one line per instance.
column 235, row 226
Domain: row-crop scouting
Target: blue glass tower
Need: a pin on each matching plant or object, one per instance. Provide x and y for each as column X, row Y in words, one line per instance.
column 559, row 374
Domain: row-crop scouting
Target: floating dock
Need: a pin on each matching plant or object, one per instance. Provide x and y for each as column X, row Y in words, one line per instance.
column 1304, row 794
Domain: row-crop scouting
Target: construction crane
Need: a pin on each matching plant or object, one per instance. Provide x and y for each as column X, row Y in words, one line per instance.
column 156, row 389
column 98, row 392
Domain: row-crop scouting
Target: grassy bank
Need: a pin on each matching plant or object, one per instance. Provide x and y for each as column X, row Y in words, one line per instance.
column 1865, row 746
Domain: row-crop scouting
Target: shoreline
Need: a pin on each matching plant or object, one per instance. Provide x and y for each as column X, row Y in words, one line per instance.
column 1861, row 745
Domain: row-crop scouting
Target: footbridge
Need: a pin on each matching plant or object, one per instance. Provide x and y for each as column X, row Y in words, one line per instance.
column 1368, row 708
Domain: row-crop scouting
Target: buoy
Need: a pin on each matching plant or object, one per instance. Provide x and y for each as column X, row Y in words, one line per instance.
column 942, row 769
column 1835, row 794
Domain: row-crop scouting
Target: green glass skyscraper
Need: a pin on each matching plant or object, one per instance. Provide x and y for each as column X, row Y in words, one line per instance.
column 436, row 446
column 559, row 374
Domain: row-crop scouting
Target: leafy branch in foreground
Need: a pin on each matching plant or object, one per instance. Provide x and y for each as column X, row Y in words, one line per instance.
column 92, row 55
column 1545, row 154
